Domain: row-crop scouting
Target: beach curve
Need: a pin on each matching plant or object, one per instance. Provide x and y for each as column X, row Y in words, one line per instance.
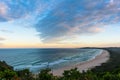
column 97, row 61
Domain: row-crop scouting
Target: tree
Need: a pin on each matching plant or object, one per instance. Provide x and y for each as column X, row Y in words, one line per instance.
column 25, row 74
column 8, row 74
column 46, row 75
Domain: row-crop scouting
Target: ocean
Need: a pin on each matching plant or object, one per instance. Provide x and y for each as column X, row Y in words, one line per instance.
column 37, row 59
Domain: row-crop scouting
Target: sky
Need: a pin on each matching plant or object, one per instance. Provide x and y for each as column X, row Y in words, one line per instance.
column 59, row 23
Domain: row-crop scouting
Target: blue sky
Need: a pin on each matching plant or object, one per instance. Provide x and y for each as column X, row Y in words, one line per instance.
column 63, row 23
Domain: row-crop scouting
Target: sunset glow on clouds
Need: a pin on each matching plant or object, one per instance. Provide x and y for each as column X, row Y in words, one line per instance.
column 53, row 23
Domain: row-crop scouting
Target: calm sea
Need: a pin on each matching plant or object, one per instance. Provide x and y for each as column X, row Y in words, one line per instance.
column 36, row 59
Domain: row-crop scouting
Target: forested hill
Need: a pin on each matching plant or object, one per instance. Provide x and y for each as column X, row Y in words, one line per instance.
column 4, row 65
column 114, row 61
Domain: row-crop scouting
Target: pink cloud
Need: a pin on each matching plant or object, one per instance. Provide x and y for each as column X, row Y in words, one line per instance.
column 3, row 9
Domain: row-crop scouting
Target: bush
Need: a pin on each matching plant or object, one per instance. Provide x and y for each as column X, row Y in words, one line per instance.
column 46, row 75
column 8, row 74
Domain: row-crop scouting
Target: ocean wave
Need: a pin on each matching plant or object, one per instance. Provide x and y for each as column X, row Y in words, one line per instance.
column 36, row 61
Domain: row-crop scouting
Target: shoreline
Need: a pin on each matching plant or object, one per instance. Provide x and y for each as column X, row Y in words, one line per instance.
column 97, row 61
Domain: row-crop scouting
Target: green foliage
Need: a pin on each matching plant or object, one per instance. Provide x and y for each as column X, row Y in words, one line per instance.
column 7, row 74
column 4, row 65
column 25, row 74
column 46, row 75
column 72, row 74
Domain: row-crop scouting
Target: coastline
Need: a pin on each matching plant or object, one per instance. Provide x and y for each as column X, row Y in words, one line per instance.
column 97, row 61
column 111, row 66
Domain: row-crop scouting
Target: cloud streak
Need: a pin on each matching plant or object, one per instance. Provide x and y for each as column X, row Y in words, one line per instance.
column 2, row 39
column 6, row 31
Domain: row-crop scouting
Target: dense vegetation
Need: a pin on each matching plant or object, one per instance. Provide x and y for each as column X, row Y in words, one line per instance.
column 112, row 64
column 108, row 71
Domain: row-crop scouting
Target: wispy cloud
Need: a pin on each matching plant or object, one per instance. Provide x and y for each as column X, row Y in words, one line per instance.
column 57, row 20
column 3, row 9
column 2, row 39
column 5, row 30
column 78, row 17
column 18, row 9
column 1, row 44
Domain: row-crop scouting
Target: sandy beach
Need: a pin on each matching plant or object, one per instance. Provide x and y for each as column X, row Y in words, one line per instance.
column 97, row 61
